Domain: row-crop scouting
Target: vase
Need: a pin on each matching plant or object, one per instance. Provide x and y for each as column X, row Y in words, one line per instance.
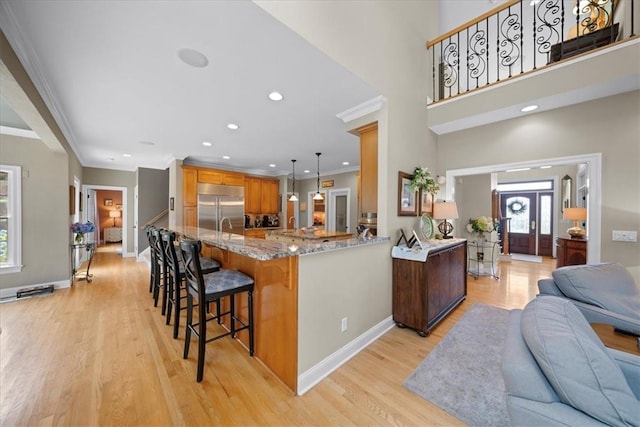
column 79, row 238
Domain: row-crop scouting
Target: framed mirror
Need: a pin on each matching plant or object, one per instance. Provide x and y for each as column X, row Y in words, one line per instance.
column 566, row 192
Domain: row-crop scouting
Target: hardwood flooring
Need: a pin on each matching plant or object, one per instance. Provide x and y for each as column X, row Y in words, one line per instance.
column 100, row 354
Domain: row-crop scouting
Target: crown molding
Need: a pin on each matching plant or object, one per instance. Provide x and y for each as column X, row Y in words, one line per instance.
column 25, row 133
column 363, row 109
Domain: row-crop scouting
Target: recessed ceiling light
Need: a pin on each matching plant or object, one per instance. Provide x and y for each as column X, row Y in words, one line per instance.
column 126, row 155
column 518, row 170
column 345, row 163
column 147, row 143
column 272, row 165
column 545, row 167
column 226, row 157
column 307, row 171
column 232, row 126
column 207, row 144
column 529, row 108
column 276, row 96
column 193, row 57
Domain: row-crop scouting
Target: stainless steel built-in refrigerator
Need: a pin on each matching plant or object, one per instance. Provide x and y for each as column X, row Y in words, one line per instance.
column 216, row 202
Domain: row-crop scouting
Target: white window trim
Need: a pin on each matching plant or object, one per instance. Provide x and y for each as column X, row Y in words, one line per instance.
column 14, row 263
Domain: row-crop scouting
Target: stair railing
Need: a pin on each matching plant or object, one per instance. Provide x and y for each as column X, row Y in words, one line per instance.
column 521, row 36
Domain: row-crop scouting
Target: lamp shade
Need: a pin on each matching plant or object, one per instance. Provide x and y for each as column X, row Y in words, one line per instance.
column 114, row 214
column 445, row 210
column 575, row 214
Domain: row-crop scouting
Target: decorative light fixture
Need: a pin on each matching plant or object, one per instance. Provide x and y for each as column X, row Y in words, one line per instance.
column 293, row 197
column 318, row 195
column 114, row 214
column 576, row 215
column 444, row 211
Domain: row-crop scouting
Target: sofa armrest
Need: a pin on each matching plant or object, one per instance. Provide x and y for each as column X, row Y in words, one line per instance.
column 549, row 287
column 595, row 314
column 630, row 365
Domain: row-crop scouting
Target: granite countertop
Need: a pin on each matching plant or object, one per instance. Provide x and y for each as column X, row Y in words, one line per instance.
column 265, row 250
column 416, row 253
column 312, row 234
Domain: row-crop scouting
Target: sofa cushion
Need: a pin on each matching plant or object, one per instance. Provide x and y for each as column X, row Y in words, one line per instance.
column 593, row 284
column 576, row 363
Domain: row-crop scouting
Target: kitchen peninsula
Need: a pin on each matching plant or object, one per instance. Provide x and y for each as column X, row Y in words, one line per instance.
column 303, row 293
column 309, row 235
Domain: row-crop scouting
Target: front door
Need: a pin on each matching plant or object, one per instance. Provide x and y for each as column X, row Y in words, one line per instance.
column 521, row 208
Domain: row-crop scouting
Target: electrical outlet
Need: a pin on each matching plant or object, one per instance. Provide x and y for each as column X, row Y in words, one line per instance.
column 344, row 324
column 624, row 236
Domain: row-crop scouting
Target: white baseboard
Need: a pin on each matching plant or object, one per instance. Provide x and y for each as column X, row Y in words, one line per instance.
column 317, row 373
column 11, row 292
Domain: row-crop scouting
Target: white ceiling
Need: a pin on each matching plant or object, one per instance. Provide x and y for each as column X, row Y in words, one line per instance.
column 110, row 73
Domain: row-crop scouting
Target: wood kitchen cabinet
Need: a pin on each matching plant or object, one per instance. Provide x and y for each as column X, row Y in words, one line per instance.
column 425, row 292
column 261, row 196
column 220, row 177
column 368, row 168
column 571, row 251
column 190, row 187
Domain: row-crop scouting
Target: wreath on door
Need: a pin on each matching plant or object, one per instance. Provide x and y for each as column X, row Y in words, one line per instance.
column 517, row 207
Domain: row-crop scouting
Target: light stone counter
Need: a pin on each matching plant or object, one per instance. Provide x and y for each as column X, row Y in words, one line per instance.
column 265, row 250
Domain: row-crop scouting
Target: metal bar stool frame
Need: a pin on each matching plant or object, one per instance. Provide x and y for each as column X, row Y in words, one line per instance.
column 196, row 288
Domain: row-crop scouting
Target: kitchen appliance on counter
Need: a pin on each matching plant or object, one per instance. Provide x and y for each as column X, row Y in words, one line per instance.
column 247, row 221
column 369, row 220
column 218, row 202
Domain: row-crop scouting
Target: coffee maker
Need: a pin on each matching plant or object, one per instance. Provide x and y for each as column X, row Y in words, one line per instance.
column 247, row 221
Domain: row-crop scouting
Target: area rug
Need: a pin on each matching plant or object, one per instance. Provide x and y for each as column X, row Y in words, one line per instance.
column 527, row 258
column 462, row 374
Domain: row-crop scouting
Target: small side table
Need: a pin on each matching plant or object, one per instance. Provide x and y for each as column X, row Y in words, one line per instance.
column 483, row 253
column 75, row 248
column 617, row 340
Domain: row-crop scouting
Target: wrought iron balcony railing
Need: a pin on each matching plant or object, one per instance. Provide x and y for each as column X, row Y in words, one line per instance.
column 521, row 36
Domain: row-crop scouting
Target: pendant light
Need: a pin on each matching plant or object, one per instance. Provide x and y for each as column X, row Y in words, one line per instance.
column 293, row 197
column 318, row 196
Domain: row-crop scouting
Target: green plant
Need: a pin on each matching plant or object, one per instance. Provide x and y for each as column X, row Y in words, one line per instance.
column 422, row 180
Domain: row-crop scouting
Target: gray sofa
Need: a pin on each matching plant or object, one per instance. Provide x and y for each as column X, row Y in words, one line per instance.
column 558, row 373
column 604, row 293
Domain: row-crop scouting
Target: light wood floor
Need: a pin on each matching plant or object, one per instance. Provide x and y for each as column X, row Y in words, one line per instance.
column 100, row 354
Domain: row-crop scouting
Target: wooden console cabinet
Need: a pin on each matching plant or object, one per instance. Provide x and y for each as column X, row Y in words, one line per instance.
column 425, row 292
column 571, row 251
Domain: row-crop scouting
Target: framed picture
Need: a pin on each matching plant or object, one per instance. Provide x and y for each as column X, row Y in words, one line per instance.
column 108, row 202
column 327, row 184
column 407, row 199
column 426, row 203
column 118, row 206
column 72, row 200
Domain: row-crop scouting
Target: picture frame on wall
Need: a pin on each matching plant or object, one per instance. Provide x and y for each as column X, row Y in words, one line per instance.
column 72, row 200
column 407, row 199
column 426, row 203
column 108, row 202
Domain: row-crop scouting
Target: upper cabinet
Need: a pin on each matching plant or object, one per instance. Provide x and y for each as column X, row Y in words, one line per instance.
column 261, row 195
column 369, row 168
column 190, row 187
column 212, row 176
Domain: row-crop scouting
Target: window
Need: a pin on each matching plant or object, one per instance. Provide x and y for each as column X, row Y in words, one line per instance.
column 10, row 219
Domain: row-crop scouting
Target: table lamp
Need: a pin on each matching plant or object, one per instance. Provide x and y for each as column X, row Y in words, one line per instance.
column 576, row 215
column 114, row 215
column 444, row 211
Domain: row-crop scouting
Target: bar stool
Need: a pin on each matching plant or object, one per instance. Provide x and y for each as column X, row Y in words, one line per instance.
column 210, row 288
column 175, row 277
column 153, row 273
column 161, row 270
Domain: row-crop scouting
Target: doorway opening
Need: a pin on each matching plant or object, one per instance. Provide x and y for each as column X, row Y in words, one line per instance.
column 106, row 207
